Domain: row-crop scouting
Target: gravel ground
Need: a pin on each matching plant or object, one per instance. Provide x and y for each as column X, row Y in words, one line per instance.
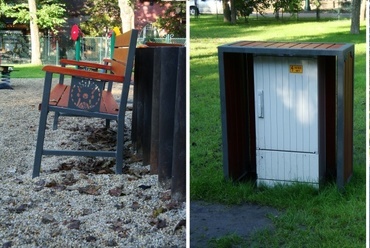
column 76, row 201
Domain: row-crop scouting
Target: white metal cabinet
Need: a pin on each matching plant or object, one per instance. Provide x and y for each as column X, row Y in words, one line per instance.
column 286, row 109
column 318, row 128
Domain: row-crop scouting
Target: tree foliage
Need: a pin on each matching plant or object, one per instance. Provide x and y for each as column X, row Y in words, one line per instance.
column 50, row 13
column 286, row 6
column 173, row 20
column 245, row 8
column 104, row 15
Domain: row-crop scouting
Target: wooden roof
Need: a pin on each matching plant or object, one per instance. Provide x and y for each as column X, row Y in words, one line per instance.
column 295, row 45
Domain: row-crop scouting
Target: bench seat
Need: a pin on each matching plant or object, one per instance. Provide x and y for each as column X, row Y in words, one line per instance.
column 59, row 96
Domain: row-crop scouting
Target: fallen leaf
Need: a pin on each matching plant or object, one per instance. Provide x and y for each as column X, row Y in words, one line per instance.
column 144, row 187
column 65, row 167
column 86, row 211
column 182, row 223
column 51, row 184
column 153, row 221
column 161, row 223
column 21, row 208
column 173, row 205
column 111, row 243
column 120, row 206
column 90, row 239
column 165, row 196
column 69, row 179
column 73, row 224
column 116, row 191
column 158, row 211
column 47, row 218
column 89, row 190
column 40, row 183
column 135, row 206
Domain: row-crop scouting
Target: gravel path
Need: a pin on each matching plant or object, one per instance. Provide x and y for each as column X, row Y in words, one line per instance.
column 76, row 201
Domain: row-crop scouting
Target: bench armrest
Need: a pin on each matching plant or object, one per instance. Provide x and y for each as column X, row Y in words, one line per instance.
column 84, row 64
column 82, row 73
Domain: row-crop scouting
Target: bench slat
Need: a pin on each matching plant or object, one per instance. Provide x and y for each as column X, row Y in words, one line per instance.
column 57, row 93
column 109, row 104
column 123, row 40
column 118, row 68
column 120, row 54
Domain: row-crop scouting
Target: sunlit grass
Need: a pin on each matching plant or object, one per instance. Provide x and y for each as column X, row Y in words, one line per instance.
column 27, row 71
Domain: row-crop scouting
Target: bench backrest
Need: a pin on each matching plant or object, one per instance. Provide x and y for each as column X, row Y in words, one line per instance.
column 124, row 51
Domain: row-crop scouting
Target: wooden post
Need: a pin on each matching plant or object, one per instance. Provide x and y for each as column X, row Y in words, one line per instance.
column 178, row 182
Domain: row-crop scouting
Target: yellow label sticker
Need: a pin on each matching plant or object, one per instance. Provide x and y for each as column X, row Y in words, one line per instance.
column 296, row 68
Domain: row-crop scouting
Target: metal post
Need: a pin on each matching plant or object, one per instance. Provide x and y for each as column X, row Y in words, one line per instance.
column 307, row 5
column 78, row 49
column 112, row 42
column 57, row 53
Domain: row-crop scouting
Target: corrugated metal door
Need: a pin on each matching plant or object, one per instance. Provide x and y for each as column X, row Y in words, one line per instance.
column 286, row 100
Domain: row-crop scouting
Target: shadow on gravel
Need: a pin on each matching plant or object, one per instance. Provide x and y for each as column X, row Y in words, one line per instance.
column 211, row 221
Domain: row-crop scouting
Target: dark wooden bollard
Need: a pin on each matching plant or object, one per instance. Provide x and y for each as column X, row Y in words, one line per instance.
column 167, row 75
column 142, row 111
column 158, row 131
column 178, row 182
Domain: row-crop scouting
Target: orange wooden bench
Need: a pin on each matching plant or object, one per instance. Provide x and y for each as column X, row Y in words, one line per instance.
column 86, row 95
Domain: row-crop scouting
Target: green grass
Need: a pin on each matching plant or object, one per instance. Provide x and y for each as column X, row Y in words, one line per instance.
column 310, row 218
column 27, row 71
column 231, row 240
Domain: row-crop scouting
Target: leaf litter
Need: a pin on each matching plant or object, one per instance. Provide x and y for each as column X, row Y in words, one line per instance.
column 77, row 201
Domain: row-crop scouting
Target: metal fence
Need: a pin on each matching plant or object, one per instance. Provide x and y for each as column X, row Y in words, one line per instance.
column 93, row 49
column 15, row 48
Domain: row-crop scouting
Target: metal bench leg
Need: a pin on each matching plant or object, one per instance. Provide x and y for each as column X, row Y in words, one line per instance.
column 40, row 143
column 120, row 143
column 42, row 125
column 107, row 123
column 56, row 118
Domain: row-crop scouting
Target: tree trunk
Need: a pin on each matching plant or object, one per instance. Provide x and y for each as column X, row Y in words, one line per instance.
column 127, row 15
column 355, row 18
column 227, row 12
column 35, row 37
column 277, row 14
column 233, row 11
column 363, row 10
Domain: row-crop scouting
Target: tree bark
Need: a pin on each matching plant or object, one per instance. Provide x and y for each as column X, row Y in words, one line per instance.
column 227, row 12
column 233, row 11
column 35, row 37
column 363, row 10
column 355, row 18
column 127, row 15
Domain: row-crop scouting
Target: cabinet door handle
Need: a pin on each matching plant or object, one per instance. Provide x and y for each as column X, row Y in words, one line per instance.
column 260, row 107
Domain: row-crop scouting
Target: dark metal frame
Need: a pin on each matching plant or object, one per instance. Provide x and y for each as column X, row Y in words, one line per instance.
column 336, row 73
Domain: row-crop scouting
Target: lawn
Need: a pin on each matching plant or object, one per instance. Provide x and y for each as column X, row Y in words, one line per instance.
column 27, row 71
column 311, row 218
